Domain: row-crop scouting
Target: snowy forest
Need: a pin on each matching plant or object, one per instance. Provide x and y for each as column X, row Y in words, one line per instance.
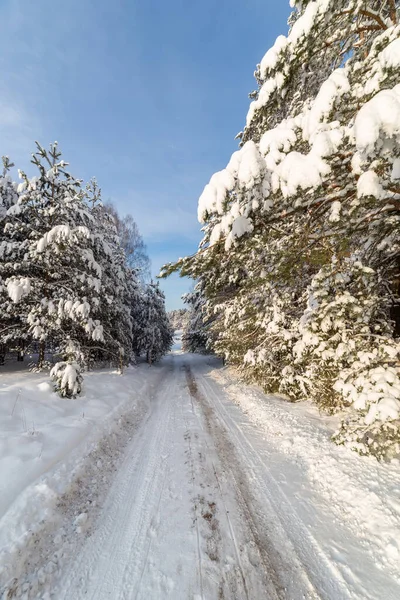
column 228, row 429
column 74, row 276
column 297, row 274
column 178, row 318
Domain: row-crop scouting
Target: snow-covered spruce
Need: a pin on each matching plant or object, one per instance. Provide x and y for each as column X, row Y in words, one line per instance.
column 51, row 280
column 195, row 335
column 300, row 255
column 66, row 281
column 178, row 318
column 154, row 334
column 68, row 379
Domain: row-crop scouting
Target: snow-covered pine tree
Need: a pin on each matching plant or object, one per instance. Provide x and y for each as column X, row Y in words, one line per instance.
column 119, row 285
column 195, row 335
column 8, row 192
column 67, row 374
column 10, row 322
column 139, row 320
column 65, row 276
column 303, row 224
column 51, row 280
column 178, row 318
column 155, row 335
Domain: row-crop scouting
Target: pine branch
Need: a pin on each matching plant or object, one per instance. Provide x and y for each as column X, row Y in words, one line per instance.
column 368, row 14
column 393, row 11
column 373, row 17
column 9, row 327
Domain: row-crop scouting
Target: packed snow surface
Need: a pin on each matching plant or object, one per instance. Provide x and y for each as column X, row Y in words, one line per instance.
column 177, row 481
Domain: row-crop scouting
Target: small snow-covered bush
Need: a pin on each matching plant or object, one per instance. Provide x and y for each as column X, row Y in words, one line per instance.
column 67, row 377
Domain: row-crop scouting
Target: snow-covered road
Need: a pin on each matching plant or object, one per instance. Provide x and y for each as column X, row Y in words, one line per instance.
column 200, row 488
column 177, row 521
column 196, row 512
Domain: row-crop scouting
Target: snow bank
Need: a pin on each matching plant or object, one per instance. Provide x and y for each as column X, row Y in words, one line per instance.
column 320, row 478
column 44, row 438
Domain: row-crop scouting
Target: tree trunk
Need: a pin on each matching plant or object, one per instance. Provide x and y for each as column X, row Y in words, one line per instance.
column 42, row 346
column 20, row 353
column 121, row 362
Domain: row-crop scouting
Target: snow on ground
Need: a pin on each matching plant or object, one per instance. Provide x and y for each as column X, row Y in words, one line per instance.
column 38, row 429
column 350, row 505
column 45, row 442
column 177, row 342
column 176, row 481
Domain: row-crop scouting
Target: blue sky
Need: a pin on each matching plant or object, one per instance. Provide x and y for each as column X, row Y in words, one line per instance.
column 145, row 95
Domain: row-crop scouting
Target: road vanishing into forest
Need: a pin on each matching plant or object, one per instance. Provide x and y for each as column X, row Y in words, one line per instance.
column 195, row 512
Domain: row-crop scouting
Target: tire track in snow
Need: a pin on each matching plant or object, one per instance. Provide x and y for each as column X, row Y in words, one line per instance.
column 150, row 541
column 230, row 470
column 196, row 515
column 187, row 453
column 312, row 566
column 193, row 391
column 105, row 569
column 36, row 567
column 147, row 504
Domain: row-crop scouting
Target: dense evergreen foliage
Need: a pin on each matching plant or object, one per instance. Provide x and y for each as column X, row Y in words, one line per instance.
column 196, row 335
column 299, row 264
column 67, row 281
column 178, row 318
column 155, row 334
